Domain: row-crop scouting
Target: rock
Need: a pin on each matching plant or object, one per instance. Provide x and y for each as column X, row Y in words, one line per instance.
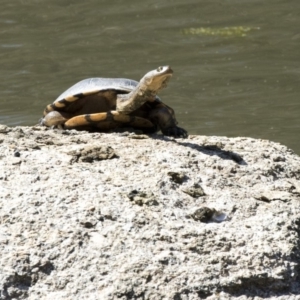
column 92, row 153
column 177, row 177
column 128, row 216
column 141, row 198
column 4, row 129
column 194, row 191
column 203, row 214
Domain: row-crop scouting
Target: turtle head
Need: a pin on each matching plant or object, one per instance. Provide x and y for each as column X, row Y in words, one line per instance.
column 145, row 91
column 157, row 79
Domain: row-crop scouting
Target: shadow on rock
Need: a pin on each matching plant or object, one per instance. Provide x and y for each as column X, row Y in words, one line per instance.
column 208, row 149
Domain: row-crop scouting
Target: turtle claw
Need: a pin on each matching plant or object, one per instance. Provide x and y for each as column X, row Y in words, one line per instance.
column 176, row 132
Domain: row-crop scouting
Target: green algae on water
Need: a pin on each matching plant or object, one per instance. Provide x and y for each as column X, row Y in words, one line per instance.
column 234, row 31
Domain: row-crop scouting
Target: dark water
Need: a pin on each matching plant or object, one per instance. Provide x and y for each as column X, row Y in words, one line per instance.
column 224, row 83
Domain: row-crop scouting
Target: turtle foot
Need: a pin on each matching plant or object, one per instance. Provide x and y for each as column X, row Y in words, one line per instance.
column 176, row 132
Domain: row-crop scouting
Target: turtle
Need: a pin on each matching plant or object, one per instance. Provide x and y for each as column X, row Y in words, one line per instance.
column 105, row 104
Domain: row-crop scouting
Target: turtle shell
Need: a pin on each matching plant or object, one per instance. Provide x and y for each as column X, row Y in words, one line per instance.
column 94, row 85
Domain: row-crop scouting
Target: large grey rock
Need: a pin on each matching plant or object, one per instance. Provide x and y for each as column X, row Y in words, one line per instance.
column 127, row 216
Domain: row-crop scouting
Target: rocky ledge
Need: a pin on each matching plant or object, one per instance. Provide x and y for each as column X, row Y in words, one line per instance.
column 130, row 216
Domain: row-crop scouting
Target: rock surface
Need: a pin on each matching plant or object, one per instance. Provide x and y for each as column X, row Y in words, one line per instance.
column 128, row 216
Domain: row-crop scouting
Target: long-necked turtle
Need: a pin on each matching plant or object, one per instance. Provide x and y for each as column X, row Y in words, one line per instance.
column 103, row 104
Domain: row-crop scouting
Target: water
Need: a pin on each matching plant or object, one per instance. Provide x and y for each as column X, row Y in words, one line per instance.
column 229, row 85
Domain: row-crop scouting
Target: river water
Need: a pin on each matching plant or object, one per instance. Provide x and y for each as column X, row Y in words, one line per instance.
column 236, row 62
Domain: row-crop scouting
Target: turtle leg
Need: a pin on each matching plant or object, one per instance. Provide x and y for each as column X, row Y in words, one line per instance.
column 108, row 120
column 55, row 118
column 164, row 117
